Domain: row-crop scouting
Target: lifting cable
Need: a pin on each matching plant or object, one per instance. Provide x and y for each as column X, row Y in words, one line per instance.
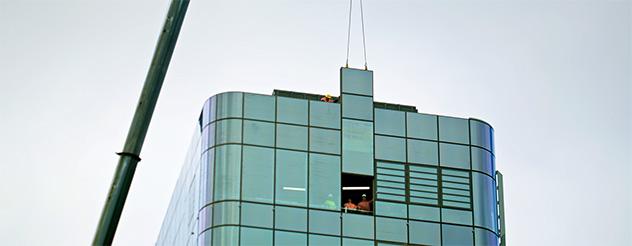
column 349, row 33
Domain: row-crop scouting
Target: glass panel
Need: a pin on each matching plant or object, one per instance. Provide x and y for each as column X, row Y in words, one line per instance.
column 394, row 230
column 452, row 155
column 225, row 213
column 205, row 238
column 454, row 130
column 283, row 238
column 391, row 209
column 229, row 105
column 207, row 177
column 205, row 218
column 323, row 140
column 390, row 122
column 457, row 235
column 355, row 225
column 258, row 174
column 425, row 233
column 481, row 135
column 253, row 214
column 421, row 126
column 357, row 81
column 324, row 114
column 324, row 222
column 319, row 240
column 287, row 218
column 259, row 133
column 484, row 237
column 260, row 107
column 356, row 242
column 423, row 152
column 291, row 137
column 228, row 131
column 208, row 112
column 226, row 235
column 357, row 107
column 292, row 110
column 291, row 177
column 456, row 216
column 484, row 201
column 419, row 212
column 324, row 181
column 253, row 236
column 357, row 147
column 227, row 172
column 390, row 148
column 482, row 161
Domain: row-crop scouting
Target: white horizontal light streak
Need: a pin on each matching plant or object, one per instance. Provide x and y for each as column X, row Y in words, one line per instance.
column 356, row 188
column 294, row 188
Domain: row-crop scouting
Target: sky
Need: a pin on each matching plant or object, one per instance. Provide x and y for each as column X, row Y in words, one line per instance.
column 553, row 77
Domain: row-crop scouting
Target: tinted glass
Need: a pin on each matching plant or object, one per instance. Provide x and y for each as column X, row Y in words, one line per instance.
column 390, row 148
column 420, row 212
column 319, row 240
column 388, row 229
column 291, row 137
column 226, row 213
column 425, row 233
column 292, row 110
column 283, row 238
column 253, row 214
column 421, row 126
column 356, row 242
column 391, row 209
column 324, row 114
column 390, row 122
column 259, row 107
column 484, row 201
column 291, row 177
column 226, row 235
column 455, row 216
column 253, row 236
column 423, row 152
column 259, row 133
column 207, row 178
column 355, row 225
column 454, row 130
column 357, row 147
column 453, row 155
column 324, row 181
column 227, row 172
column 485, row 237
column 287, row 218
column 357, row 81
column 457, row 235
column 205, row 218
column 325, row 141
column 258, row 174
column 324, row 222
column 228, row 131
column 481, row 135
column 229, row 105
column 482, row 161
column 357, row 107
column 208, row 112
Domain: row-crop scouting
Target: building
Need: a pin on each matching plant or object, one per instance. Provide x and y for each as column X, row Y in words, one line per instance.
column 275, row 170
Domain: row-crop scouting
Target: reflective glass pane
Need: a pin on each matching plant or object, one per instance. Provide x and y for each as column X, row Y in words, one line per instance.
column 228, row 131
column 482, row 161
column 254, row 214
column 455, row 216
column 357, row 147
column 485, row 237
column 258, row 174
column 226, row 213
column 452, row 155
column 319, row 240
column 259, row 133
column 260, row 107
column 325, row 141
column 283, row 238
column 287, row 218
column 229, row 105
column 207, row 177
column 421, row 126
column 423, row 152
column 208, row 112
column 324, row 181
column 391, row 209
column 420, row 212
column 390, row 122
column 324, row 222
column 484, row 201
column 481, row 134
column 205, row 238
column 394, row 230
column 425, row 233
column 291, row 177
column 324, row 114
column 254, row 236
column 292, row 110
column 226, row 235
column 454, row 130
column 227, row 172
column 357, row 107
column 390, row 148
column 356, row 225
column 291, row 137
column 205, row 218
column 357, row 81
column 457, row 235
column 356, row 242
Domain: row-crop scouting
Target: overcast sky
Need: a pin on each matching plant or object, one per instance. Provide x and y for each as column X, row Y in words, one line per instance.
column 553, row 78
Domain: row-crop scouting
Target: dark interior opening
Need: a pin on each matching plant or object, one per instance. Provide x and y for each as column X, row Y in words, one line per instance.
column 354, row 186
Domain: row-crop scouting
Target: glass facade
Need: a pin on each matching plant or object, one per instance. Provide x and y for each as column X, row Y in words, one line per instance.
column 276, row 170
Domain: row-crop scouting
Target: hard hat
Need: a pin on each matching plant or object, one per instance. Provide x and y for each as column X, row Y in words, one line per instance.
column 328, row 96
column 363, row 195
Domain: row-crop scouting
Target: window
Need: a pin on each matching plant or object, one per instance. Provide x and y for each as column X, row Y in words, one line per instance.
column 482, row 161
column 259, row 107
column 324, row 181
column 357, row 81
column 205, row 218
column 455, row 188
column 423, row 185
column 355, row 188
column 206, row 177
column 282, row 238
column 455, row 216
column 259, row 133
column 394, row 230
column 226, row 213
column 253, row 236
column 208, row 137
column 319, row 240
column 227, row 172
column 351, row 228
column 208, row 112
column 229, row 105
column 390, row 122
column 457, row 235
column 423, row 152
column 287, row 218
column 356, row 242
column 420, row 212
column 482, row 135
column 391, row 209
column 357, row 107
column 324, row 222
column 292, row 110
column 485, row 237
column 324, row 114
column 226, row 235
column 291, row 177
column 258, row 174
column 228, row 131
column 422, row 126
column 425, row 233
column 325, row 141
column 291, row 137
column 484, row 201
column 357, row 147
column 390, row 148
column 454, row 130
column 254, row 214
column 456, row 156
column 389, row 175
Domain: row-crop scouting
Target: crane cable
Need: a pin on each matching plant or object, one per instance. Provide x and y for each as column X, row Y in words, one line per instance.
column 349, row 34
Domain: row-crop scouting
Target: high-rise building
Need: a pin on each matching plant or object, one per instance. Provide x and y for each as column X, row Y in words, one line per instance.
column 291, row 169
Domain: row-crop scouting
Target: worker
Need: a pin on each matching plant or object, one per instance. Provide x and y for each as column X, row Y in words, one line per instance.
column 327, row 98
column 350, row 205
column 330, row 203
column 364, row 204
